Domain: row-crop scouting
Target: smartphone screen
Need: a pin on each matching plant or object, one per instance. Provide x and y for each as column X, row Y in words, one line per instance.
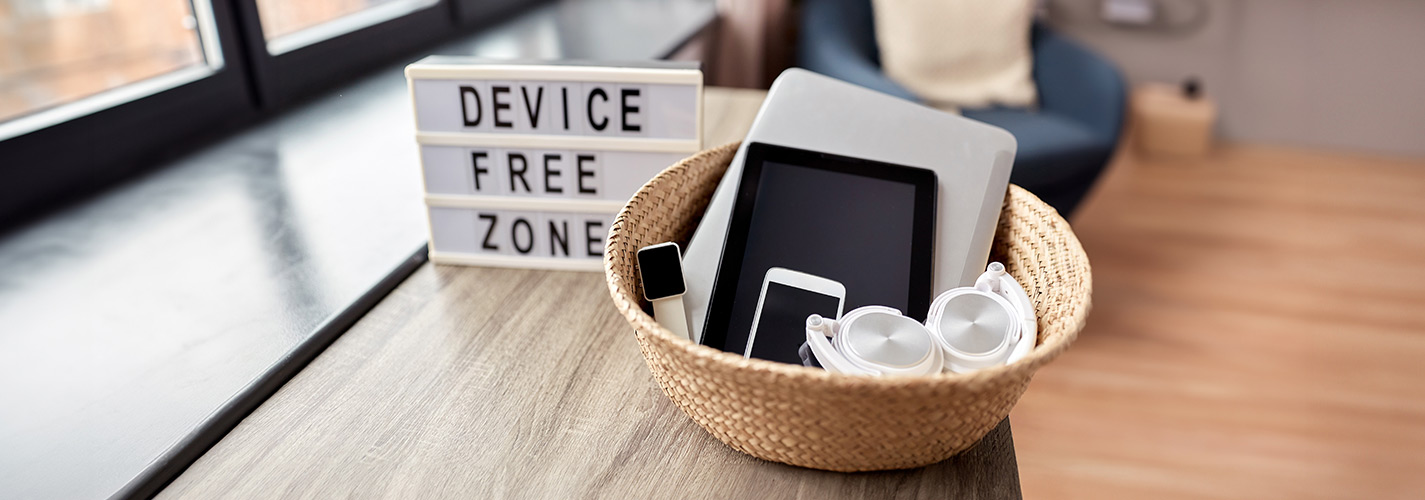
column 781, row 326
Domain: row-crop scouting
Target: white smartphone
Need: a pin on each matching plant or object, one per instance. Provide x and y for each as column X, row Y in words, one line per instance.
column 788, row 297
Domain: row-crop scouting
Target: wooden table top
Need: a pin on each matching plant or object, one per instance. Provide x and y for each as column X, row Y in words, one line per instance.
column 470, row 382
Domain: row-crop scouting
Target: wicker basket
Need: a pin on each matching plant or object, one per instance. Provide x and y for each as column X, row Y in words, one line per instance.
column 812, row 418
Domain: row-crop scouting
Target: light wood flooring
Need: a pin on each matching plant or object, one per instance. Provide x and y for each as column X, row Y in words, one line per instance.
column 1258, row 331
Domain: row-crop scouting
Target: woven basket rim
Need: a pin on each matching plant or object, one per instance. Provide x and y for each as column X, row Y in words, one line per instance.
column 1044, row 351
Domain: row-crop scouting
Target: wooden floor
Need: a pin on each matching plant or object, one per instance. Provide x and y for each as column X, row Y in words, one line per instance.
column 1258, row 332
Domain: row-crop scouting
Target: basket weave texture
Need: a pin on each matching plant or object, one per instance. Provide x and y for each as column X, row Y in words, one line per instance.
column 812, row 418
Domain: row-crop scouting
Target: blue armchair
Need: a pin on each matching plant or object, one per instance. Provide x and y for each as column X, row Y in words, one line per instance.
column 1063, row 145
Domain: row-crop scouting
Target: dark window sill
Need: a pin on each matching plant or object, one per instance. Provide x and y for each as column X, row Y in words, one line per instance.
column 141, row 325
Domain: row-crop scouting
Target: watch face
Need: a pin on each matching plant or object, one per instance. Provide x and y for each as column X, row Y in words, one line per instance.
column 661, row 269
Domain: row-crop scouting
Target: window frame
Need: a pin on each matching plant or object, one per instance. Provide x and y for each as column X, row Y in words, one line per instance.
column 213, row 60
column 74, row 149
column 301, row 71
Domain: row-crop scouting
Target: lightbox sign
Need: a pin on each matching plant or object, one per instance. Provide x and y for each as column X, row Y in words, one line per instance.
column 525, row 164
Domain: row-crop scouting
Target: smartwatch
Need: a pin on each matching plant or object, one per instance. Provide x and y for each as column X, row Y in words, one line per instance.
column 660, row 269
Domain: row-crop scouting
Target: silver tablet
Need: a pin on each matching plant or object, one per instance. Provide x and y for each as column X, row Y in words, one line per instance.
column 808, row 111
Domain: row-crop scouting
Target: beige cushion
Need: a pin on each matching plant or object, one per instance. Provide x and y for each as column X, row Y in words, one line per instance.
column 958, row 53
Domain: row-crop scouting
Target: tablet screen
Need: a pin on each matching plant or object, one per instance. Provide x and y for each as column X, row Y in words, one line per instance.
column 868, row 225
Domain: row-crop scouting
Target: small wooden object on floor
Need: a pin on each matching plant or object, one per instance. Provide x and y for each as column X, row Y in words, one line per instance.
column 1168, row 121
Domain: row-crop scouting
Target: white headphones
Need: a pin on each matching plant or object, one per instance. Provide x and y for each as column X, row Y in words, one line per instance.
column 968, row 328
column 874, row 340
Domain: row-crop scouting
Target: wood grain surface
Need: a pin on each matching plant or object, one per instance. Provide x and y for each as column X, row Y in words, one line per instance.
column 1258, row 332
column 478, row 382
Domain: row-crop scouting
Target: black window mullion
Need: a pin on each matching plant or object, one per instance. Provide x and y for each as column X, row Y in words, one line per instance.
column 282, row 79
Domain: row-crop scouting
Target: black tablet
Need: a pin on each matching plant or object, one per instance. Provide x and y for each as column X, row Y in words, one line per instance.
column 866, row 224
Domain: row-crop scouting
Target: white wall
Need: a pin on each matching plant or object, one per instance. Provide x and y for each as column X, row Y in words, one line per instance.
column 1342, row 74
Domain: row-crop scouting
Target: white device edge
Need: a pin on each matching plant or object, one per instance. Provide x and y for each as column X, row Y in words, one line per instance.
column 795, row 279
column 456, row 69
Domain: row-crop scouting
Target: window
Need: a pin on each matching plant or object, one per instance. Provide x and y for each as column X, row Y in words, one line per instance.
column 92, row 91
column 65, row 58
column 288, row 25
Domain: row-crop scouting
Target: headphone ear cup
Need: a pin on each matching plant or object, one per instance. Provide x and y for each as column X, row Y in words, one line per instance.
column 975, row 328
column 827, row 355
column 996, row 279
